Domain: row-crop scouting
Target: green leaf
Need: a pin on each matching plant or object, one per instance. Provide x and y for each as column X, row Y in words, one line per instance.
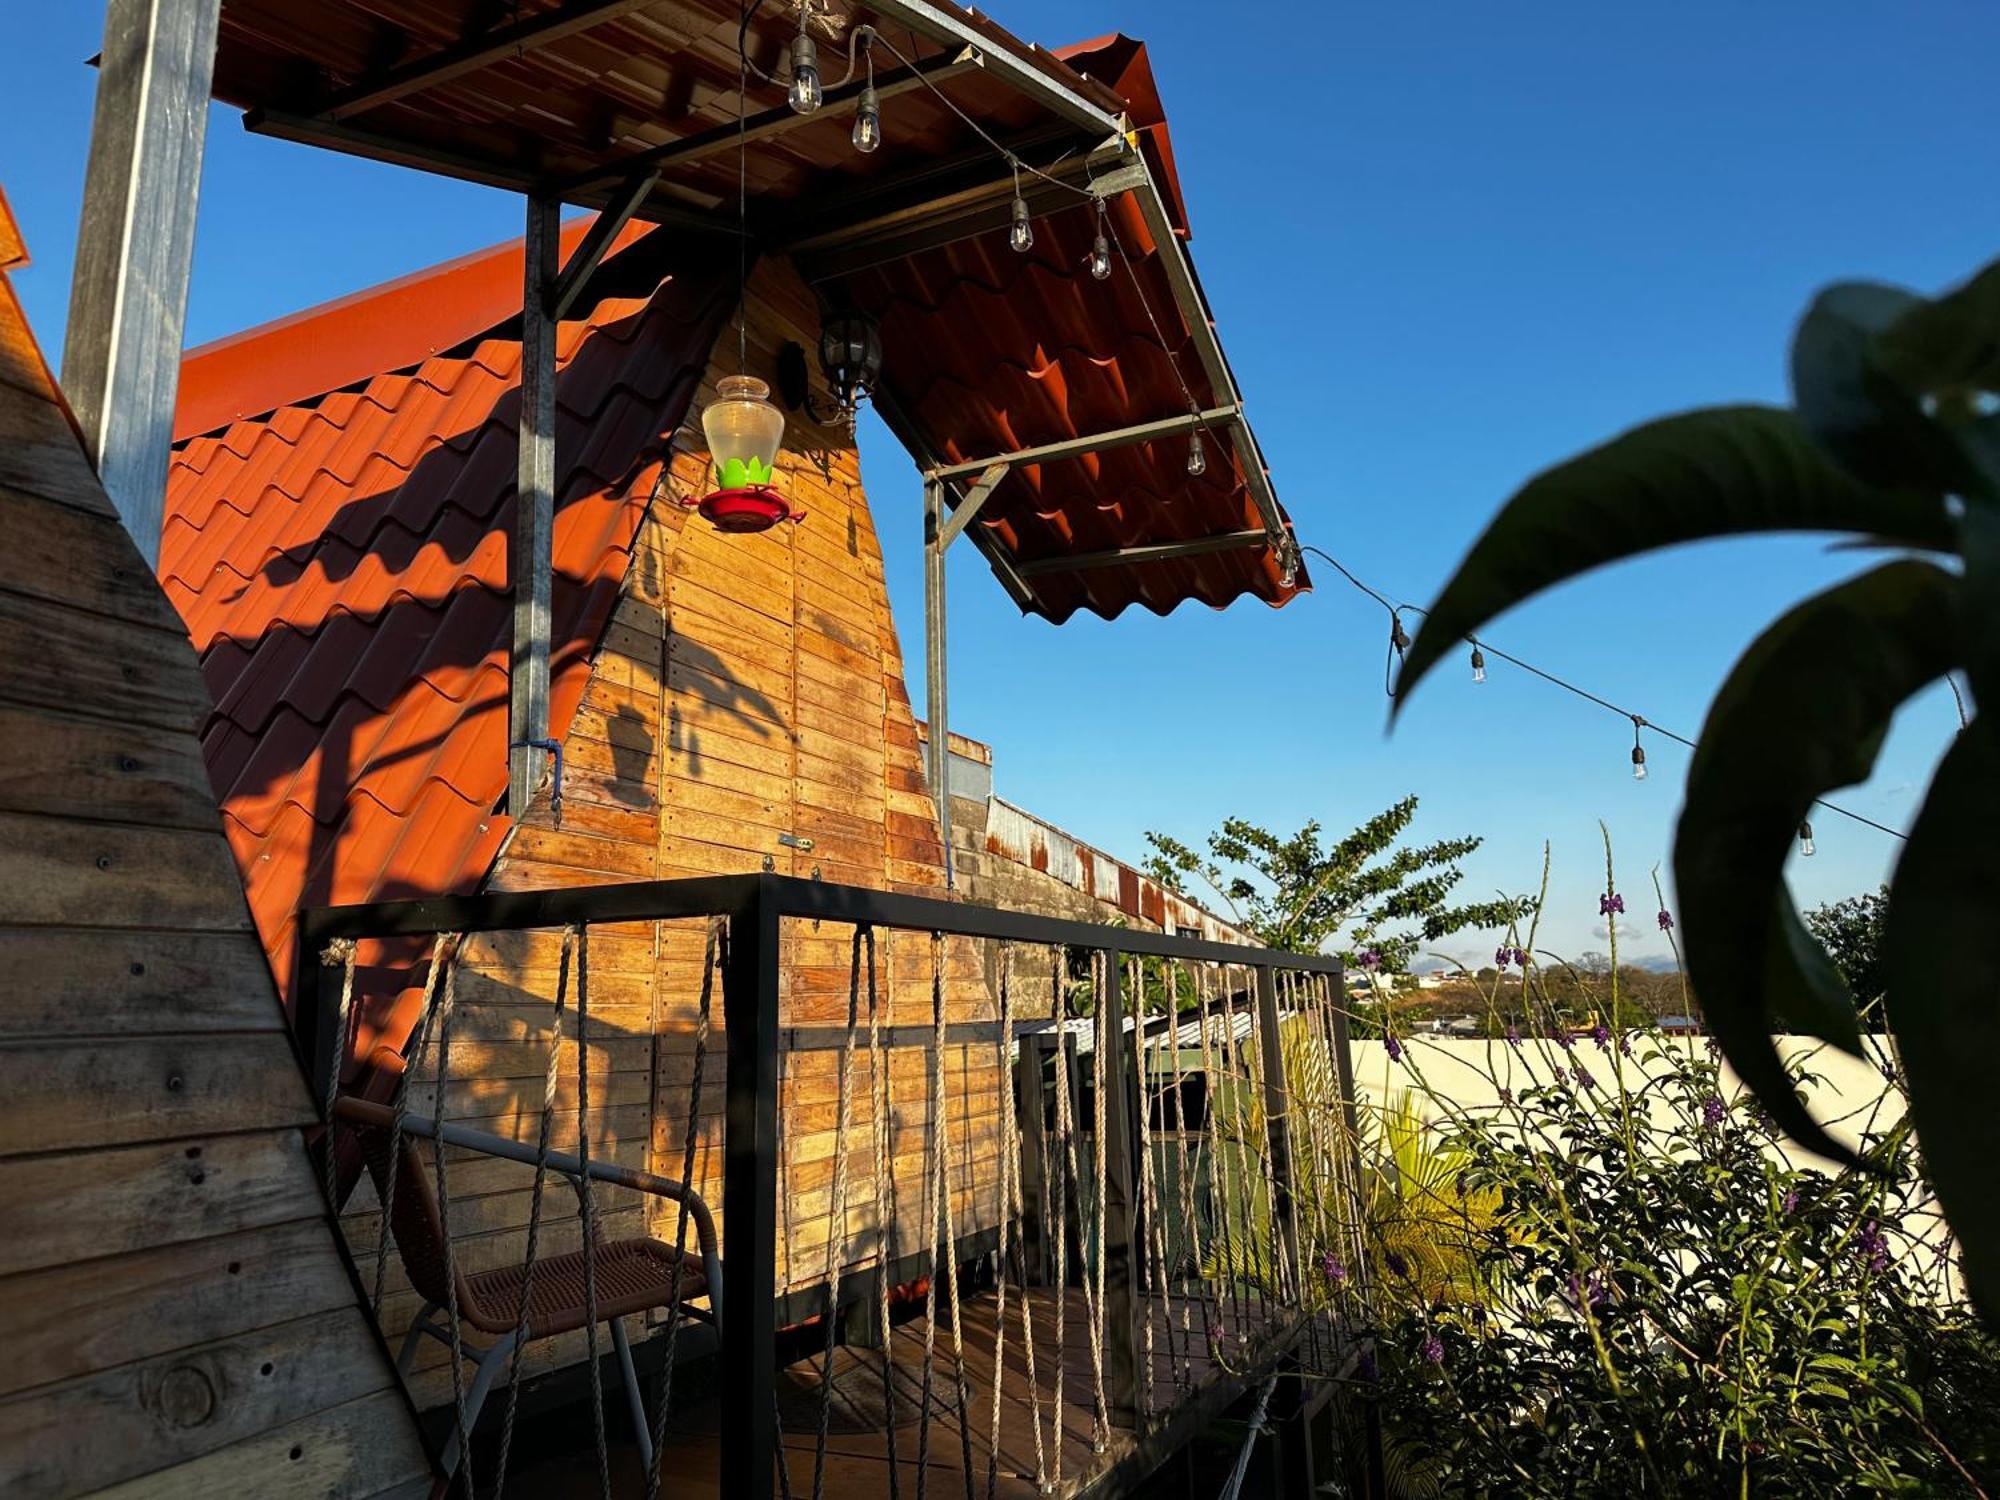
column 1728, row 470
column 1871, row 424
column 1944, row 977
column 1802, row 713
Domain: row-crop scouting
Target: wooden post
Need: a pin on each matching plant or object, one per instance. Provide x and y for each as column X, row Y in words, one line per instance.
column 1115, row 1112
column 1029, row 1106
column 529, row 562
column 135, row 248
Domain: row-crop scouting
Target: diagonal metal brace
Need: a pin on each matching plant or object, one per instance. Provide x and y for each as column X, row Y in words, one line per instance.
column 576, row 273
column 962, row 513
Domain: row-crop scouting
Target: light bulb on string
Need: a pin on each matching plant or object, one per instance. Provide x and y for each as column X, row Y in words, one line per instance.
column 1806, row 845
column 1021, row 233
column 1100, row 249
column 806, row 95
column 1638, row 750
column 1197, row 459
column 868, row 121
column 1478, row 664
column 1399, row 638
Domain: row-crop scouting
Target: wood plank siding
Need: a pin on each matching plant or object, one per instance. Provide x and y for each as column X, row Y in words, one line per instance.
column 747, row 688
column 174, row 1311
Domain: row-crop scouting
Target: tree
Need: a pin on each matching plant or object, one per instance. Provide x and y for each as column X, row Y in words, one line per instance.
column 1893, row 441
column 1852, row 932
column 1364, row 893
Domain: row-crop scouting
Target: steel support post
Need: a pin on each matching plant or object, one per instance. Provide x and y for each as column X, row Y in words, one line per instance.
column 936, row 708
column 1116, row 1117
column 750, row 1195
column 135, row 248
column 529, row 561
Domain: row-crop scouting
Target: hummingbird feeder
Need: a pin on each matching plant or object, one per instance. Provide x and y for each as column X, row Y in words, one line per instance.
column 744, row 433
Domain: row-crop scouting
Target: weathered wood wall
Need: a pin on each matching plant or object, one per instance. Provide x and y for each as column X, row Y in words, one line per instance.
column 175, row 1317
column 748, row 687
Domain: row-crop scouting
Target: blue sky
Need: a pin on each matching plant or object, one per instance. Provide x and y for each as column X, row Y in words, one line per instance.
column 1447, row 245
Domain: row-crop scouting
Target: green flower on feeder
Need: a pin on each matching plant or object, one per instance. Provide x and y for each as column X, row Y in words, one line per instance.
column 744, row 432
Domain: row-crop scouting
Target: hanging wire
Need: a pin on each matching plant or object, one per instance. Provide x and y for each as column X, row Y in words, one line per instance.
column 1396, row 611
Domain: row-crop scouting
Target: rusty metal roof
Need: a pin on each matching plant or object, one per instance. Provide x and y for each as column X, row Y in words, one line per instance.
column 340, row 561
column 987, row 352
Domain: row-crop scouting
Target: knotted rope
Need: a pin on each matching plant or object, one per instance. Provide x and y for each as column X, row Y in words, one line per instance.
column 587, row 1206
column 542, row 1145
column 445, row 1012
column 836, row 1232
column 879, row 1101
column 400, row 1111
column 715, row 950
column 338, row 954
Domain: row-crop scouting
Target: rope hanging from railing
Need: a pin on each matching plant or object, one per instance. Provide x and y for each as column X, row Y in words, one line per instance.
column 587, row 1205
column 715, row 951
column 1152, row 1253
column 836, row 1229
column 1221, row 1205
column 1010, row 1211
column 446, row 1010
column 543, row 1141
column 339, row 953
column 1100, row 1434
column 879, row 1101
column 400, row 1111
column 1193, row 1249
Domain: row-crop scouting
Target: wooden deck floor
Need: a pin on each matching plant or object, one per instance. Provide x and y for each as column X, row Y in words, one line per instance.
column 858, row 1455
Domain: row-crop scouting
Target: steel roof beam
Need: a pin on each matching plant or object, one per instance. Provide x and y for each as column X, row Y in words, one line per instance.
column 770, row 123
column 1119, row 557
column 583, row 261
column 1097, row 442
column 472, row 53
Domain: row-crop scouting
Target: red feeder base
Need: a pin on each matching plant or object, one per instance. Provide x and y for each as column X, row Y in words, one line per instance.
column 754, row 508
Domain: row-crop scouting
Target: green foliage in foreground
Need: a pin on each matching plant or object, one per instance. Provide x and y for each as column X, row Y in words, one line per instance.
column 1893, row 440
column 1660, row 1300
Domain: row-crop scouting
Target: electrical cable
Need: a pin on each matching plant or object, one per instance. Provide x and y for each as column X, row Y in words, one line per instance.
column 1638, row 720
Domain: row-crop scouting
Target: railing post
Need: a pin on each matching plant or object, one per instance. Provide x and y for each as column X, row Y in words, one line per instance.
column 1277, row 1123
column 1029, row 1119
column 750, row 1197
column 1121, row 1291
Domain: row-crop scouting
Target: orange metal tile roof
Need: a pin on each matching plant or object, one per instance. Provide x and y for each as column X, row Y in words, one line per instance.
column 341, row 566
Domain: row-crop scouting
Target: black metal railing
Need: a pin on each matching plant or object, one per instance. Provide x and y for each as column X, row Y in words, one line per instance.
column 756, row 908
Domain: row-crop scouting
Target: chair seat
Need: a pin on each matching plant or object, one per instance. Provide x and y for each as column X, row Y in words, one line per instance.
column 632, row 1277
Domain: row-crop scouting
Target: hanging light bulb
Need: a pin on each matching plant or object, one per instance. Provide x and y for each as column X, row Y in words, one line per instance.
column 1197, row 463
column 806, row 95
column 1399, row 638
column 1288, row 564
column 1100, row 259
column 1021, row 235
column 1806, row 845
column 1478, row 664
column 1638, row 750
column 868, row 121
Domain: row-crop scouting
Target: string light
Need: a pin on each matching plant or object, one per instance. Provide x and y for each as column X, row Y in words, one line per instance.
column 806, row 94
column 1100, row 249
column 1638, row 750
column 1478, row 663
column 868, row 112
column 1021, row 235
column 1197, row 459
column 1397, row 635
column 1399, row 638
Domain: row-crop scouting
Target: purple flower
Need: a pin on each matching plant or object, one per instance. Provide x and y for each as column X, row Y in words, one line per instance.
column 1521, row 957
column 1331, row 1265
column 1601, row 1034
column 1371, row 959
column 1791, row 1200
column 1568, row 1041
column 1503, row 957
column 1874, row 1246
column 1712, row 1110
column 1585, row 1292
column 1614, row 902
column 1583, row 1078
column 1433, row 1350
column 1395, row 1049
column 1506, row 1095
column 1562, row 1077
column 1666, row 920
column 1625, row 1046
column 1513, row 1036
column 1396, row 1264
